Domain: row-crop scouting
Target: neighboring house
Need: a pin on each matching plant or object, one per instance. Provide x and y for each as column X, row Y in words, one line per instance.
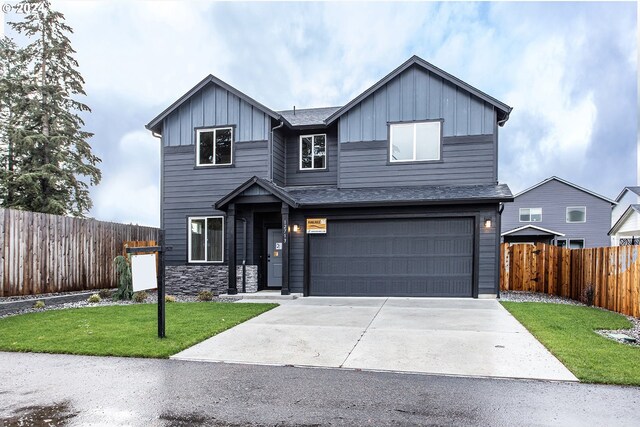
column 560, row 213
column 393, row 194
column 625, row 218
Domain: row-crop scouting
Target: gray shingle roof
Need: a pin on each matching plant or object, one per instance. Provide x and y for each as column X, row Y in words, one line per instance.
column 635, row 189
column 308, row 116
column 408, row 195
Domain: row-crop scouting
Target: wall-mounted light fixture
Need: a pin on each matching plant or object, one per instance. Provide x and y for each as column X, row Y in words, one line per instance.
column 487, row 223
column 296, row 228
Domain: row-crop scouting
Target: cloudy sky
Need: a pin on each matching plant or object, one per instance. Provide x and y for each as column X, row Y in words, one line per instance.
column 568, row 69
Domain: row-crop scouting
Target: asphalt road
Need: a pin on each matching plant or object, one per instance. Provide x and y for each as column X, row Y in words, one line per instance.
column 39, row 389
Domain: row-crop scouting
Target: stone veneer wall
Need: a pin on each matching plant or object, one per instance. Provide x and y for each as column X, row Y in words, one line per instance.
column 191, row 279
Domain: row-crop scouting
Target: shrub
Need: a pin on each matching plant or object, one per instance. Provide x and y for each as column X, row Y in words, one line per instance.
column 169, row 298
column 123, row 270
column 105, row 293
column 589, row 295
column 38, row 305
column 94, row 298
column 205, row 296
column 140, row 296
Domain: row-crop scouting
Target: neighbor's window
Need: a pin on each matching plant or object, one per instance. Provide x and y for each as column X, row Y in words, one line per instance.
column 576, row 243
column 214, row 146
column 561, row 243
column 415, row 141
column 206, row 239
column 577, row 214
column 313, row 152
column 530, row 214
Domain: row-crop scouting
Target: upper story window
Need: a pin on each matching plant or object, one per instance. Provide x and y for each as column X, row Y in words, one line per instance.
column 577, row 214
column 206, row 239
column 214, row 146
column 410, row 142
column 313, row 152
column 530, row 214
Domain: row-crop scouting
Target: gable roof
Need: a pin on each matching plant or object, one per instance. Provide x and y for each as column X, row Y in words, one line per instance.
column 633, row 189
column 627, row 213
column 555, row 178
column 416, row 60
column 272, row 188
column 534, row 227
column 308, row 116
column 153, row 125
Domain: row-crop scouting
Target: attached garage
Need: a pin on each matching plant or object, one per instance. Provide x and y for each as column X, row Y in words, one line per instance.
column 417, row 257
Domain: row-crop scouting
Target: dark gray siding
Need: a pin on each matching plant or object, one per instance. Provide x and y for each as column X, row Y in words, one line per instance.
column 554, row 197
column 488, row 256
column 215, row 106
column 417, row 94
column 465, row 160
column 189, row 191
column 294, row 176
column 279, row 158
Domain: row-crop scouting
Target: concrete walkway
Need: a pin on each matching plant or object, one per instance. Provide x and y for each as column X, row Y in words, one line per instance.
column 437, row 336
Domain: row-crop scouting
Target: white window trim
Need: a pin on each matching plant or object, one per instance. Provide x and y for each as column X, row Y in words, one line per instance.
column 313, row 142
column 214, row 130
column 566, row 214
column 520, row 215
column 191, row 218
column 415, row 150
column 579, row 238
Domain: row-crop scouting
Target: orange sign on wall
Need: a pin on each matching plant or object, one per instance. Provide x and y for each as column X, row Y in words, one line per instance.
column 316, row 225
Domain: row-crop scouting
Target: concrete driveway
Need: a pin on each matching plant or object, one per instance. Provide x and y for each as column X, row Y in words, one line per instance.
column 436, row 336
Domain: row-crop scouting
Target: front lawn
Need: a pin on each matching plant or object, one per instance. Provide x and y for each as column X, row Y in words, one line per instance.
column 568, row 332
column 122, row 330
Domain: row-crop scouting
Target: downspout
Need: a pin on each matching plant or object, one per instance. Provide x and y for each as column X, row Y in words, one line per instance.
column 244, row 254
column 271, row 150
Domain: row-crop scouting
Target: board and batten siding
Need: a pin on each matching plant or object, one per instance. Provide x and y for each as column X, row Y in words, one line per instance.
column 215, row 106
column 488, row 273
column 554, row 197
column 190, row 191
column 279, row 156
column 296, row 177
column 417, row 94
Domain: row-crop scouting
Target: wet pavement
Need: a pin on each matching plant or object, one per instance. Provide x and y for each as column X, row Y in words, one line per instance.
column 55, row 390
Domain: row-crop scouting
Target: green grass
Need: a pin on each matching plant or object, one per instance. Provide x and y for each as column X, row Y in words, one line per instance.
column 122, row 330
column 568, row 332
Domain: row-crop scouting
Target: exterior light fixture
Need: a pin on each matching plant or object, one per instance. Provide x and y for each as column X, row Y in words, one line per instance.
column 296, row 228
column 487, row 223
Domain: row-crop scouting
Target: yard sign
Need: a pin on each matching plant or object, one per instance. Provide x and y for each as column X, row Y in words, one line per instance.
column 144, row 273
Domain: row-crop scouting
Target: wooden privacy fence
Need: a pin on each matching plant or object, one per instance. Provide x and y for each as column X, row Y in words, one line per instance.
column 613, row 272
column 43, row 253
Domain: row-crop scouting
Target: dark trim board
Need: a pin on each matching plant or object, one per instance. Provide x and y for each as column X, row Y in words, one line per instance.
column 347, row 217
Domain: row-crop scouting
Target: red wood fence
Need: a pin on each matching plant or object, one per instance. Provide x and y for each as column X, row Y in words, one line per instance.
column 613, row 272
column 41, row 253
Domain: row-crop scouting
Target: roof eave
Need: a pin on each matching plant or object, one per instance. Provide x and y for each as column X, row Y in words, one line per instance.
column 282, row 195
column 404, row 203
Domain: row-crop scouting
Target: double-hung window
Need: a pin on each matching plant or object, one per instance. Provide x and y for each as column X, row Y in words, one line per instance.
column 577, row 214
column 214, row 146
column 410, row 142
column 313, row 152
column 206, row 239
column 530, row 214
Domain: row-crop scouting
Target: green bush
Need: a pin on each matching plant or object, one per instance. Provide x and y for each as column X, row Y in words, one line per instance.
column 140, row 296
column 38, row 304
column 94, row 298
column 169, row 298
column 105, row 293
column 205, row 296
column 123, row 270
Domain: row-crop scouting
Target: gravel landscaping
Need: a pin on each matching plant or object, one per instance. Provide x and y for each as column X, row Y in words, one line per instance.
column 519, row 296
column 151, row 299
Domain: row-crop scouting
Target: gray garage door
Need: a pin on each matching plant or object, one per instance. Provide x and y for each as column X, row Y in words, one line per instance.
column 393, row 257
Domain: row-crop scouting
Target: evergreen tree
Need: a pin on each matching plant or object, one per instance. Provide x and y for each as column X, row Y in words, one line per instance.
column 56, row 159
column 13, row 103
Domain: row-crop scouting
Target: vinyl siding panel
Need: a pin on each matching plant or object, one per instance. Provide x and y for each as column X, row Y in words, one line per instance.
column 279, row 157
column 215, row 106
column 554, row 197
column 295, row 177
column 465, row 160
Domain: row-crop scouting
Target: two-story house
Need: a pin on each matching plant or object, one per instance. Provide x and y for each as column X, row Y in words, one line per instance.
column 625, row 218
column 558, row 212
column 393, row 194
